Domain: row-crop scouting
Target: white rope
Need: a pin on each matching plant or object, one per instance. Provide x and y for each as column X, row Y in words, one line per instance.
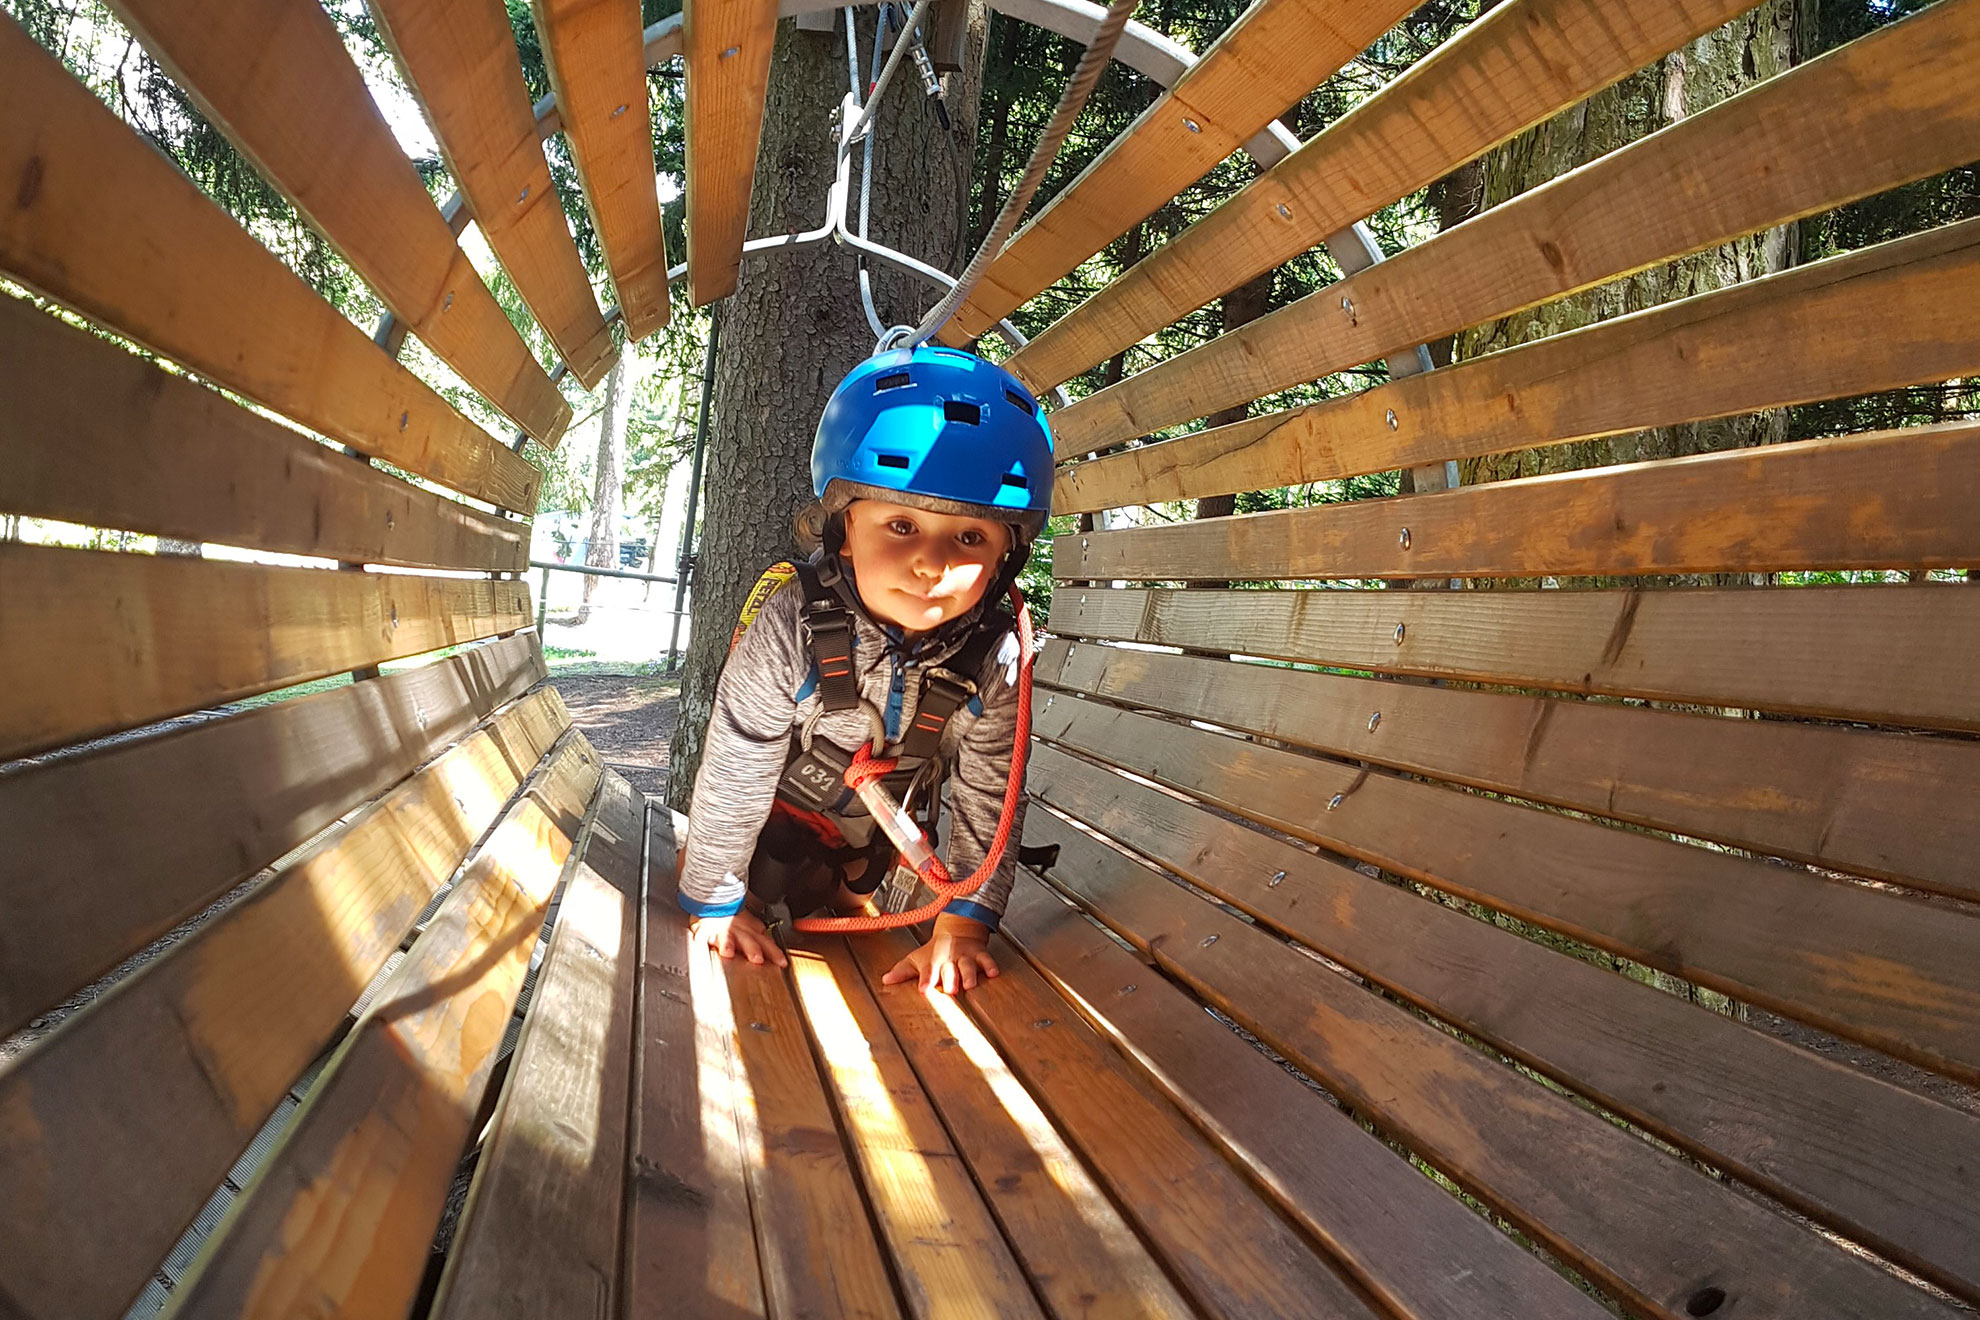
column 1091, row 64
column 886, row 74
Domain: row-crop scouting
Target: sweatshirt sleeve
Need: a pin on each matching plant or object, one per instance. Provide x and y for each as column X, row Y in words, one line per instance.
column 976, row 791
column 742, row 758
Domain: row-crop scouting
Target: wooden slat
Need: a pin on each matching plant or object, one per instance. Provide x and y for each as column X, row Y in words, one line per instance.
column 340, row 1218
column 95, row 642
column 1896, row 973
column 104, row 224
column 1645, row 1227
column 813, row 1234
column 1894, row 806
column 1079, row 1253
column 1891, row 499
column 540, row 1231
column 109, row 851
column 1888, row 655
column 728, row 47
column 690, row 1246
column 597, row 66
column 99, row 436
column 1418, row 1250
column 948, row 1253
column 1878, row 1162
column 1521, row 62
column 274, row 76
column 116, row 1128
column 1893, row 106
column 1900, row 313
column 460, row 58
column 1229, row 1252
column 1275, row 53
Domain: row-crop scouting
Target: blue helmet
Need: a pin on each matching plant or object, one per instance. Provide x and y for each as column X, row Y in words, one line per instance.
column 940, row 429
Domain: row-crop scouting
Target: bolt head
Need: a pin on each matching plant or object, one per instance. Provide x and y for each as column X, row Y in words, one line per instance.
column 522, row 196
column 1208, row 940
column 1374, row 720
column 1402, row 538
column 731, row 51
column 1192, row 126
column 1401, row 630
column 1392, row 419
column 1278, row 878
column 1285, row 211
column 1336, row 800
column 1042, row 1023
column 618, row 111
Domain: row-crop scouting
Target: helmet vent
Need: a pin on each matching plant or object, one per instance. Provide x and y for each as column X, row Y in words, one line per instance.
column 1023, row 404
column 967, row 413
column 1017, row 480
column 891, row 460
column 893, row 380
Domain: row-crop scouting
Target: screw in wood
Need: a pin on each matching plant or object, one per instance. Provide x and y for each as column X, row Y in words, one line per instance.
column 395, row 615
column 1392, row 419
column 1336, row 800
column 522, row 196
column 1285, row 210
column 404, row 418
column 1208, row 940
column 450, row 301
column 1126, row 990
column 1403, row 539
column 1347, row 305
column 730, row 51
column 616, row 113
column 1278, row 878
column 1401, row 629
column 758, row 1026
column 390, row 521
column 1042, row 1023
column 1374, row 720
column 1192, row 126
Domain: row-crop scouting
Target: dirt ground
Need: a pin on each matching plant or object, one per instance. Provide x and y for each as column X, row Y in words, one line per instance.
column 629, row 719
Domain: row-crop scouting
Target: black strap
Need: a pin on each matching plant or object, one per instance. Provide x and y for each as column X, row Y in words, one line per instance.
column 945, row 688
column 828, row 628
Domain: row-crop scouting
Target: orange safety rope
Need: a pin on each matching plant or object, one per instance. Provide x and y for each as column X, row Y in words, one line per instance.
column 866, row 767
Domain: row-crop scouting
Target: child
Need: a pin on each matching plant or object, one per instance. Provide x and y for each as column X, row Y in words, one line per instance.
column 933, row 469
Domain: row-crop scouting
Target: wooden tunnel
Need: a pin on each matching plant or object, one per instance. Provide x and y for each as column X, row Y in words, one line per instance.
column 1556, row 950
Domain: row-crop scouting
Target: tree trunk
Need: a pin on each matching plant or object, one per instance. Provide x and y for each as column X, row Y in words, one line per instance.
column 1692, row 79
column 1241, row 305
column 602, row 547
column 794, row 326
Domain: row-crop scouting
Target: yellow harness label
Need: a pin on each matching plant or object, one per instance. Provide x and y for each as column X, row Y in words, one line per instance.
column 766, row 586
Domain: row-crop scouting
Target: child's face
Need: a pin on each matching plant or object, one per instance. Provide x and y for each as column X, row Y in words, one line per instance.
column 917, row 569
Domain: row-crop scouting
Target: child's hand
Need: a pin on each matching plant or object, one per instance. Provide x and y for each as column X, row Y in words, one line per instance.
column 953, row 959
column 742, row 934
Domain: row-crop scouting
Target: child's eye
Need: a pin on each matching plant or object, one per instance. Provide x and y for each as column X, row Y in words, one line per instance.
column 901, row 527
column 973, row 538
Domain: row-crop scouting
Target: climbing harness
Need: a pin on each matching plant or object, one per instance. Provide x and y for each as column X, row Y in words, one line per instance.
column 864, row 777
column 821, row 778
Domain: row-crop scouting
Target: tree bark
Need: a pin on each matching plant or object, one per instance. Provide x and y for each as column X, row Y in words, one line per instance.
column 794, row 326
column 1692, row 79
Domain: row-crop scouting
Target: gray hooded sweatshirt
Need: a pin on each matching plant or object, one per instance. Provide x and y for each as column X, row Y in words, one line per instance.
column 768, row 691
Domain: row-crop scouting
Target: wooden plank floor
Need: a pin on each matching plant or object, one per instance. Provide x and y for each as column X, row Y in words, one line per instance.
column 993, row 1155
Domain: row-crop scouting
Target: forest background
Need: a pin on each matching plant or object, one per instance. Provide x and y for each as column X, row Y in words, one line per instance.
column 628, row 450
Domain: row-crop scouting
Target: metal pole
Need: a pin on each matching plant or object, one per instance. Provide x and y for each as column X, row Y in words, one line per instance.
column 542, row 604
column 685, row 569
